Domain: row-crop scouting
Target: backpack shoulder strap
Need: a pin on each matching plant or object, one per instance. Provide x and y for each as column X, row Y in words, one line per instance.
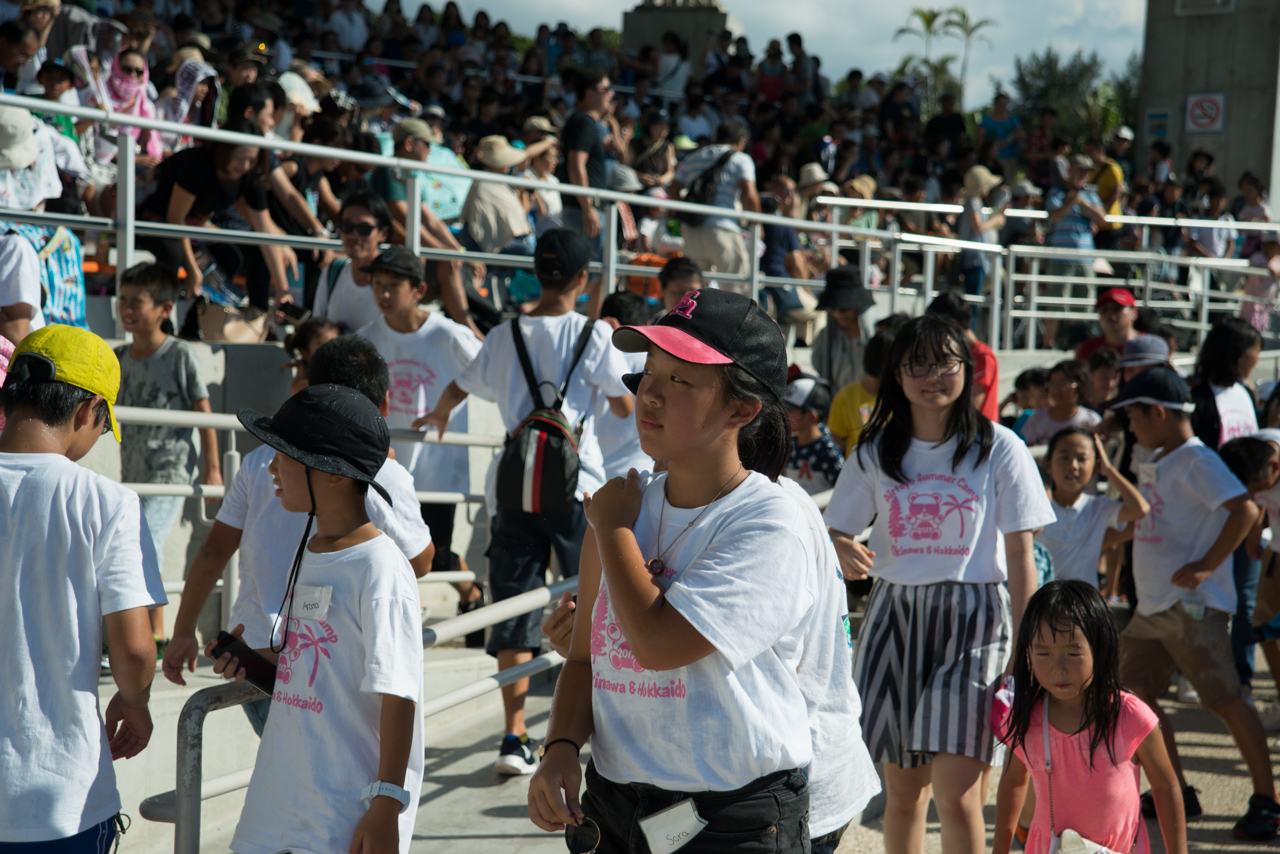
column 523, row 355
column 336, row 266
column 584, row 338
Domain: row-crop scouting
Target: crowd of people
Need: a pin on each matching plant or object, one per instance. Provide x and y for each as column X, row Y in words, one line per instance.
column 716, row 672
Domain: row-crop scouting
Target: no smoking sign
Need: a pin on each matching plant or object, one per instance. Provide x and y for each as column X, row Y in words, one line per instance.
column 1206, row 112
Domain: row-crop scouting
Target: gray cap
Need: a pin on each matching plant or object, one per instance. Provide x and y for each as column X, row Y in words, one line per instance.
column 1145, row 350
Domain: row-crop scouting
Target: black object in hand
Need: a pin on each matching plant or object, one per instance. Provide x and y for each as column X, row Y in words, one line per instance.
column 257, row 670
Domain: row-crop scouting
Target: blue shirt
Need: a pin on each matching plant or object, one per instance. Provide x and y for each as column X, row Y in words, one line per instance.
column 815, row 466
column 1003, row 132
column 1075, row 230
column 778, row 241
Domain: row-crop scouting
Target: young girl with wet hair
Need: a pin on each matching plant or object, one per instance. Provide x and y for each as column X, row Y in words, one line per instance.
column 955, row 501
column 710, row 667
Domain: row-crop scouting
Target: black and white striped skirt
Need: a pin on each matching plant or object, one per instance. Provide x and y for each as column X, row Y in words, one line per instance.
column 929, row 662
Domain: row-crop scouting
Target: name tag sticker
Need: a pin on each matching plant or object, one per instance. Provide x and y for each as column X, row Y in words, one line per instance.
column 672, row 828
column 311, row 603
column 1146, row 474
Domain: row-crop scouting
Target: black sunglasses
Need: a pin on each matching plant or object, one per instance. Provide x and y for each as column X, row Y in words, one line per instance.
column 582, row 838
column 134, row 70
column 363, row 229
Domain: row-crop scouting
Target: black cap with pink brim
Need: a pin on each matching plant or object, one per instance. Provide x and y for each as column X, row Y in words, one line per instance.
column 714, row 327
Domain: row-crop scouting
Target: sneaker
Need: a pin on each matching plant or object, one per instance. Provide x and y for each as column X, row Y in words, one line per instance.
column 162, row 644
column 516, row 757
column 1190, row 804
column 1260, row 823
column 475, row 640
column 1270, row 717
column 1187, row 694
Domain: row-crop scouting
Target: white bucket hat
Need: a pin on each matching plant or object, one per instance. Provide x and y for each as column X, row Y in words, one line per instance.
column 18, row 147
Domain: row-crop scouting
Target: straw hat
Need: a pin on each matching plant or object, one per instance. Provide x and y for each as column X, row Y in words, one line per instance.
column 864, row 186
column 979, row 181
column 810, row 174
column 18, row 148
column 183, row 54
column 496, row 153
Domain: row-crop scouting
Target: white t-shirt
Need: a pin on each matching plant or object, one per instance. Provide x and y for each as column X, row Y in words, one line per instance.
column 942, row 525
column 1075, row 540
column 321, row 745
column 271, row 535
column 619, row 439
column 20, row 276
column 422, row 364
column 1040, row 427
column 350, row 304
column 71, row 553
column 1269, row 499
column 495, row 375
column 739, row 167
column 737, row 714
column 842, row 777
column 1235, row 411
column 1186, row 490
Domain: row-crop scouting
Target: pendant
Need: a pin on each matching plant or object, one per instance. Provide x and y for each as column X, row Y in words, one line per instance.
column 656, row 566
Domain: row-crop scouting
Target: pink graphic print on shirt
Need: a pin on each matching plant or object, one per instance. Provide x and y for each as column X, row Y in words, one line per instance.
column 407, row 376
column 609, row 647
column 1144, row 529
column 303, row 639
column 927, row 515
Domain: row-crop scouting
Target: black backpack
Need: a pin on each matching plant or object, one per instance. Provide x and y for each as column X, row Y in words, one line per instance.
column 703, row 190
column 538, row 471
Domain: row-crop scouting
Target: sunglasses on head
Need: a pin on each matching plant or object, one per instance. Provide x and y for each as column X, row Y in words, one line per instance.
column 363, row 229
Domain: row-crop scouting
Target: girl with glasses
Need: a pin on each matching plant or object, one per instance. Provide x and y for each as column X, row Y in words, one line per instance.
column 955, row 501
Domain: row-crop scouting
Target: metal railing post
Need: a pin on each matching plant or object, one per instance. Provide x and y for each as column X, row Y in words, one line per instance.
column 231, row 574
column 833, row 256
column 997, row 269
column 895, row 270
column 1009, row 298
column 753, row 251
column 1031, row 305
column 413, row 213
column 610, row 272
column 930, row 268
column 1203, row 313
column 865, row 260
column 126, row 204
column 190, row 758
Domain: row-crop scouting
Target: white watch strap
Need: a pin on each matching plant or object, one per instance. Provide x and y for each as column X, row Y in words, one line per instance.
column 377, row 787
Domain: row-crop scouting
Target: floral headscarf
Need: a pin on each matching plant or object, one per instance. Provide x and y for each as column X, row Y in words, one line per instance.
column 128, row 95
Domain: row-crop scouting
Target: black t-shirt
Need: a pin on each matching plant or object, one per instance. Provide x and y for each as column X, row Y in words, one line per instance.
column 193, row 170
column 582, row 133
column 303, row 182
column 950, row 128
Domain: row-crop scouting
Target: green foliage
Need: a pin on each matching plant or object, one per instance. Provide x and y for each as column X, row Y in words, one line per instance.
column 1128, row 86
column 1070, row 86
column 961, row 25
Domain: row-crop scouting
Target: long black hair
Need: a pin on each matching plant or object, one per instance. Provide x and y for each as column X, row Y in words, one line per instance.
column 1061, row 607
column 765, row 444
column 919, row 339
column 1219, row 359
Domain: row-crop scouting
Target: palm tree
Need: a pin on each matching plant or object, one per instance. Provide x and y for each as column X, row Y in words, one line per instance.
column 926, row 24
column 961, row 25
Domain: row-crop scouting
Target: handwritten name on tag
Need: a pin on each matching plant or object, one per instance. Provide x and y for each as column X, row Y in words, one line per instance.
column 672, row 828
column 311, row 603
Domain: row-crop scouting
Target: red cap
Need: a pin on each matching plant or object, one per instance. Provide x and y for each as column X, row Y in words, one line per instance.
column 1119, row 296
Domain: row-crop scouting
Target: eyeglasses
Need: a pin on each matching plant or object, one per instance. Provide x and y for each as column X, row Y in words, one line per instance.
column 920, row 370
column 363, row 229
column 582, row 838
column 132, row 69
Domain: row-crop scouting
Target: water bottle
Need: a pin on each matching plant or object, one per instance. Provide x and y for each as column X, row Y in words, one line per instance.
column 1193, row 604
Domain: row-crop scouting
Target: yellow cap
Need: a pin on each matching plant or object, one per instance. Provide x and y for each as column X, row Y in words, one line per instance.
column 78, row 358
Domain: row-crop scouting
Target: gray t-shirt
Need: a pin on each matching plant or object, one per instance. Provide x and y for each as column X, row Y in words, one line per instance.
column 167, row 379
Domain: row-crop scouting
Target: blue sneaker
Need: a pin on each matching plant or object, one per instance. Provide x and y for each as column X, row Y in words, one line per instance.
column 516, row 757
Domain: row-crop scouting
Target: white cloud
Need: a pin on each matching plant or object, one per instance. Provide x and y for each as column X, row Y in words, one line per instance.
column 859, row 33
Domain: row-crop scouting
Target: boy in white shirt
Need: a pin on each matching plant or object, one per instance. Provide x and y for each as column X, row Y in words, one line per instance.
column 253, row 521
column 425, row 351
column 72, row 558
column 1199, row 510
column 521, row 542
column 340, row 764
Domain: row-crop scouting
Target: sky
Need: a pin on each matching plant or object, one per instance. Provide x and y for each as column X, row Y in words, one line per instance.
column 859, row 33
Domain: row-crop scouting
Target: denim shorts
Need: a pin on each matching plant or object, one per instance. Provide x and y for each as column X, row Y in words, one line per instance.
column 767, row 816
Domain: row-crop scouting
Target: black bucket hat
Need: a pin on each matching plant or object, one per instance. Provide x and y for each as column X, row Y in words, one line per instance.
column 329, row 428
column 844, row 290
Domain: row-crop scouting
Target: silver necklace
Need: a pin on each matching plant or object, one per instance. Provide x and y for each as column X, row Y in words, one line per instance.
column 657, row 566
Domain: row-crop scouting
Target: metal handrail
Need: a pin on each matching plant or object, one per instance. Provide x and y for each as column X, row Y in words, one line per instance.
column 214, row 493
column 442, row 577
column 182, row 805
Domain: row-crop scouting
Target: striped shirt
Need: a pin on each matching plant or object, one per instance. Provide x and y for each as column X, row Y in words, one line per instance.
column 1075, row 230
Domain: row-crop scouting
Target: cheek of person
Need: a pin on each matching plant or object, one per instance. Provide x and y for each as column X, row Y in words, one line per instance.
column 932, row 392
column 680, row 409
column 1143, row 426
column 1249, row 360
column 1062, row 664
column 290, row 477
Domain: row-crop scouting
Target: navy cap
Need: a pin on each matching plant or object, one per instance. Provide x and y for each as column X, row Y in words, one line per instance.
column 561, row 254
column 1156, row 387
column 397, row 259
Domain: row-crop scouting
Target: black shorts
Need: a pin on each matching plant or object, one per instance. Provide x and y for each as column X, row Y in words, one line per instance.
column 439, row 518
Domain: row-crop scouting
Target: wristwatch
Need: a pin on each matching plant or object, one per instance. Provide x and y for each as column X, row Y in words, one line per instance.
column 377, row 787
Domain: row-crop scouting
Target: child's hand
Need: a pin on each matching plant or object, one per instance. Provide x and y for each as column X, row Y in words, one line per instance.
column 553, row 790
column 379, row 831
column 128, row 728
column 1192, row 575
column 559, row 626
column 1104, row 462
column 439, row 421
column 182, row 649
column 616, row 504
column 228, row 665
column 855, row 558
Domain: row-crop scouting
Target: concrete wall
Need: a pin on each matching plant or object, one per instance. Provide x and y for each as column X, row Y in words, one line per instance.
column 1237, row 53
column 645, row 25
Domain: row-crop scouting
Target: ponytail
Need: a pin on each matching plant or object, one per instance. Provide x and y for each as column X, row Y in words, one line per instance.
column 765, row 444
